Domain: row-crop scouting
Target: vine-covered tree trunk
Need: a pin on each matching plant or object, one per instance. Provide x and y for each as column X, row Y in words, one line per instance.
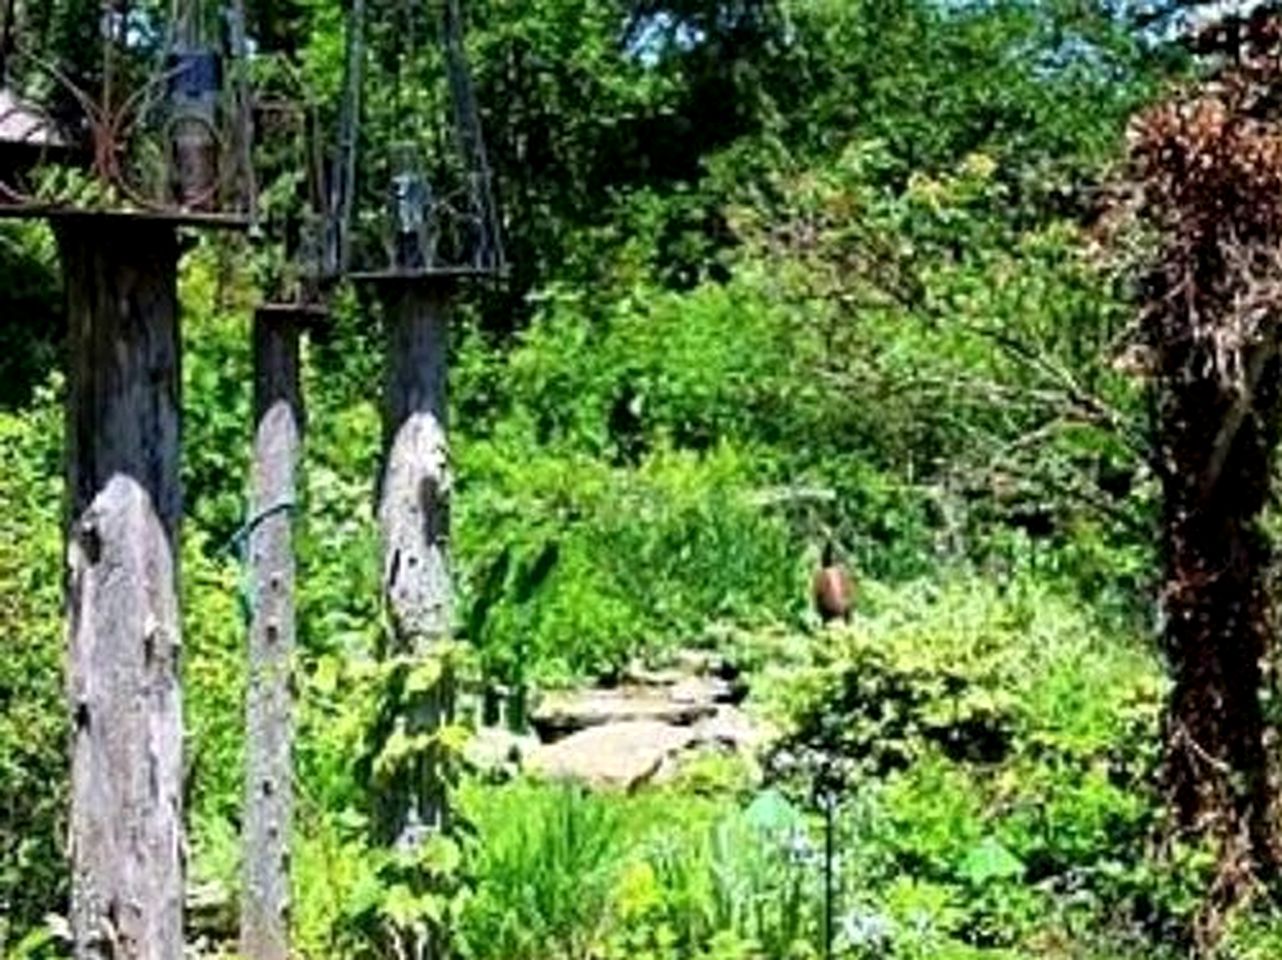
column 1216, row 611
column 122, row 597
column 1210, row 164
column 414, row 518
column 278, row 417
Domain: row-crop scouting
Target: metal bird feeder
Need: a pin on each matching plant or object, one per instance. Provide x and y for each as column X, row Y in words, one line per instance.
column 295, row 209
column 136, row 107
column 425, row 207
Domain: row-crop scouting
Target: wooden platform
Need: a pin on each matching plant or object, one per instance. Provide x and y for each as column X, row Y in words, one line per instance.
column 432, row 275
column 175, row 217
column 308, row 316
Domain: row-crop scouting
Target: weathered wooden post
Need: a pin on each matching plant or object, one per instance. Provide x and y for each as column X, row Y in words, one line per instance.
column 122, row 588
column 269, row 734
column 440, row 228
column 415, row 293
column 414, row 514
column 138, row 179
column 297, row 229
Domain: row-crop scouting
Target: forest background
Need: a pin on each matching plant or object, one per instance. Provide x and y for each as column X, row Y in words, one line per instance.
column 784, row 271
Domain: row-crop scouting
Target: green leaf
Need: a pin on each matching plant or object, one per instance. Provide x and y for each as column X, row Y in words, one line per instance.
column 489, row 595
column 401, row 906
column 453, row 738
column 991, row 861
column 771, row 812
column 441, row 856
column 326, row 676
column 534, row 576
column 424, row 676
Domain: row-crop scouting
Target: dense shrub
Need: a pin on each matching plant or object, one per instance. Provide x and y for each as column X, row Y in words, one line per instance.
column 33, row 734
column 997, row 751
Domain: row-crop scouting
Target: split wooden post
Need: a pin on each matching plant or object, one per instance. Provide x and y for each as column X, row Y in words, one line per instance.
column 414, row 521
column 124, row 508
column 268, row 816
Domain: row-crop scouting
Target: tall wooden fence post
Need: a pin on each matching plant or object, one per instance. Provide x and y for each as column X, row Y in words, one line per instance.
column 414, row 520
column 124, row 506
column 268, row 816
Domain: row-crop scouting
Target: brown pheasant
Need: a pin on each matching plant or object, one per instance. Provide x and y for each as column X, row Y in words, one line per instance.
column 833, row 590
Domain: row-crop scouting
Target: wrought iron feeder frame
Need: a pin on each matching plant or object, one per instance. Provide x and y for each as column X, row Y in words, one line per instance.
column 428, row 212
column 141, row 111
column 296, row 211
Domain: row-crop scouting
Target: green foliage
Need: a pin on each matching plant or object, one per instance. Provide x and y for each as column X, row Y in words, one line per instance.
column 1000, row 750
column 559, row 873
column 543, row 875
column 881, row 67
column 33, row 793
column 946, row 856
column 977, row 672
column 32, row 330
column 644, row 558
column 763, row 879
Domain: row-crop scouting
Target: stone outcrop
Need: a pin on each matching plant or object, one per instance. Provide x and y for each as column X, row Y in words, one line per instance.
column 637, row 733
column 621, row 755
column 564, row 714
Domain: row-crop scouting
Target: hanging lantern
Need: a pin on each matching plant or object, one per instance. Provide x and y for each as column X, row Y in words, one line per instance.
column 126, row 106
column 425, row 205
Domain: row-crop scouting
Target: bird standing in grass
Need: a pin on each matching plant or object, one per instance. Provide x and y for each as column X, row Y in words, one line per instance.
column 833, row 591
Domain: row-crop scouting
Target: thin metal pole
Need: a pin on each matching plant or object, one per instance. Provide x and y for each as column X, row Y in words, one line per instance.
column 467, row 122
column 830, row 893
column 343, row 187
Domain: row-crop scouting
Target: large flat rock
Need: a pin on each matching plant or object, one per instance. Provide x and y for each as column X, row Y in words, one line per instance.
column 621, row 755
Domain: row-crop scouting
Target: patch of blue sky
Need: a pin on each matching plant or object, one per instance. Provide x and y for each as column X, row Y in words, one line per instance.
column 651, row 36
